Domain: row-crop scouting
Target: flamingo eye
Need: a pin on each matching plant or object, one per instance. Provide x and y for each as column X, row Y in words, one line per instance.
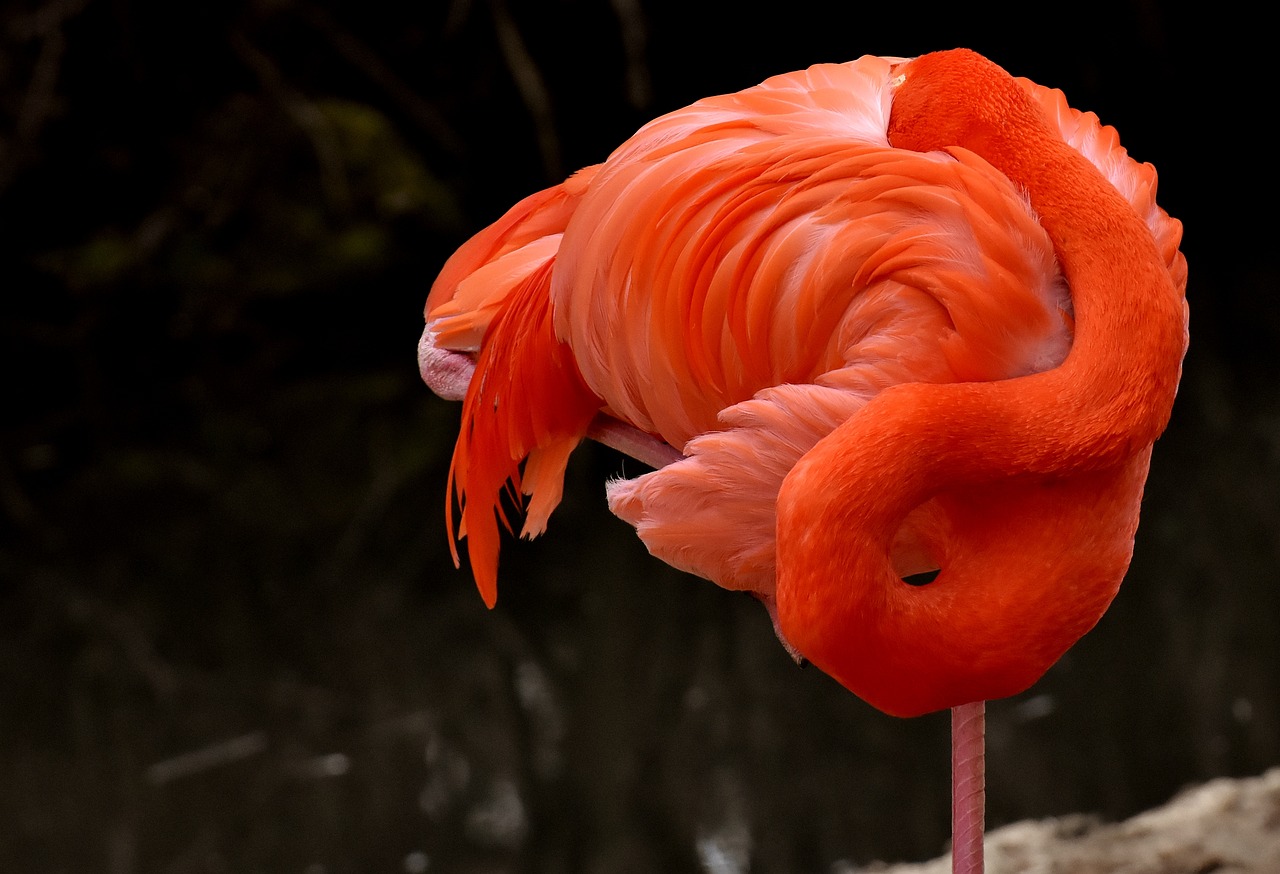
column 923, row 578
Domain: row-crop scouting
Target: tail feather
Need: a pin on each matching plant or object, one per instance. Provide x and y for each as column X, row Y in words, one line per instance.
column 527, row 398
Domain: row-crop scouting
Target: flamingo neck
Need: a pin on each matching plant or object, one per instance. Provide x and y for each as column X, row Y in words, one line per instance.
column 1114, row 392
column 1026, row 490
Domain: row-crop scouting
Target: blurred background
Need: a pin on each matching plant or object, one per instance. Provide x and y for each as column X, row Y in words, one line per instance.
column 231, row 635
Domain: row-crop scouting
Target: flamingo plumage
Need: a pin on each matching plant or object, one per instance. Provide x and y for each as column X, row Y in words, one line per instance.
column 882, row 317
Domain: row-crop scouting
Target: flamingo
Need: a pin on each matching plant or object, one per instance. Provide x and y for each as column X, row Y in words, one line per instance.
column 884, row 322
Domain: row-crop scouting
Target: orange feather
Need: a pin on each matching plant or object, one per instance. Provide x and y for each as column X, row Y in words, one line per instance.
column 897, row 315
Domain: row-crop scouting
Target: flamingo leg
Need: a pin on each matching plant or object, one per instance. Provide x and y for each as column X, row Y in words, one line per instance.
column 968, row 786
column 633, row 442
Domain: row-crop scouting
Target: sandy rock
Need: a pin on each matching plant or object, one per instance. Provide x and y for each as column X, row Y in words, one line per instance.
column 1221, row 827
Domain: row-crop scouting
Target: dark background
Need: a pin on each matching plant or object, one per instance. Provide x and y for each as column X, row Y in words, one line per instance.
column 231, row 638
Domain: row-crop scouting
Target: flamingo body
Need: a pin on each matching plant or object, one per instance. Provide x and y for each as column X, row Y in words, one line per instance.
column 868, row 333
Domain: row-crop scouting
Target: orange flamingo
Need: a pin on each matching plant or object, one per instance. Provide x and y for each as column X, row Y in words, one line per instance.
column 897, row 316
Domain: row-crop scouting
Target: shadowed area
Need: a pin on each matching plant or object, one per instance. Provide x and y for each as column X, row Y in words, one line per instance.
column 231, row 635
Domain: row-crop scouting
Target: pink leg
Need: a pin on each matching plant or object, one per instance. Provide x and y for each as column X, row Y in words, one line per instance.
column 968, row 786
column 633, row 442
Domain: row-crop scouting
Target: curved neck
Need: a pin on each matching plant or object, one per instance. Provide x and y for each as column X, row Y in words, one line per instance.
column 1027, row 490
column 1114, row 392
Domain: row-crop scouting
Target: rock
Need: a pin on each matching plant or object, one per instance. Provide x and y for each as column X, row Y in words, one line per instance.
column 1221, row 827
